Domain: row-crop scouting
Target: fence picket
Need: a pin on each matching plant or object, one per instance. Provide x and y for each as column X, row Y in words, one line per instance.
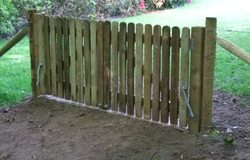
column 130, row 54
column 147, row 71
column 47, row 55
column 114, row 65
column 41, row 54
column 175, row 75
column 100, row 47
column 164, row 105
column 156, row 72
column 59, row 56
column 53, row 55
column 31, row 25
column 87, row 57
column 198, row 34
column 122, row 50
column 79, row 63
column 184, row 75
column 107, row 36
column 73, row 59
column 138, row 68
column 36, row 51
column 94, row 64
column 66, row 58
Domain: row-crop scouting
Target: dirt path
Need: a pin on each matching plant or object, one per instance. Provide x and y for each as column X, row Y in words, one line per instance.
column 46, row 129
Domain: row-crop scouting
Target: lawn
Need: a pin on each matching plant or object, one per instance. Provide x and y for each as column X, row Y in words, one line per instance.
column 15, row 83
column 231, row 74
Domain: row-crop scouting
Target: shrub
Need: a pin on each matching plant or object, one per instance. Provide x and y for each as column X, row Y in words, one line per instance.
column 7, row 16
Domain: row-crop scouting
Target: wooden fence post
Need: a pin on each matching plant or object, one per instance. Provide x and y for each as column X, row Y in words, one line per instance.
column 196, row 75
column 208, row 73
column 32, row 50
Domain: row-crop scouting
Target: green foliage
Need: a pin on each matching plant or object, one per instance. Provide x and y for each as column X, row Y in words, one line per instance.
column 7, row 16
column 228, row 141
column 174, row 3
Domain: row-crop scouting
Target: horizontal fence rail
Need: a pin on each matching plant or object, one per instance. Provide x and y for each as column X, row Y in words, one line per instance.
column 131, row 68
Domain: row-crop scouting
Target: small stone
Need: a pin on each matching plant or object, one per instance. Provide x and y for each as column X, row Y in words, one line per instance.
column 82, row 114
column 31, row 121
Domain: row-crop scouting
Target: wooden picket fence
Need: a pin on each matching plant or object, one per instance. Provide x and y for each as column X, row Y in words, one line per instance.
column 130, row 68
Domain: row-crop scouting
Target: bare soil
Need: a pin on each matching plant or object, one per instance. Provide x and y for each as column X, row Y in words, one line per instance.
column 46, row 129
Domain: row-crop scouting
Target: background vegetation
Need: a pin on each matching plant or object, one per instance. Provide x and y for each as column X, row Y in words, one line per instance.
column 13, row 13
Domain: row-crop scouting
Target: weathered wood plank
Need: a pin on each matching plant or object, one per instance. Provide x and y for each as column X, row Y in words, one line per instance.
column 138, row 68
column 79, row 65
column 36, row 50
column 107, row 42
column 164, row 105
column 87, row 57
column 31, row 27
column 94, row 64
column 156, row 72
column 175, row 75
column 100, row 50
column 184, row 76
column 208, row 73
column 130, row 82
column 122, row 50
column 66, row 58
column 59, row 54
column 73, row 59
column 53, row 55
column 41, row 54
column 114, row 66
column 147, row 71
column 47, row 55
column 196, row 75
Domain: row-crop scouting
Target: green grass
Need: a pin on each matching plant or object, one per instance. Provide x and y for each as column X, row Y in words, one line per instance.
column 231, row 74
column 15, row 73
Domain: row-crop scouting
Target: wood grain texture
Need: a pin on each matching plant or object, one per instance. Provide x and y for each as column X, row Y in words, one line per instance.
column 130, row 82
column 94, row 64
column 175, row 75
column 196, row 75
column 147, row 71
column 31, row 26
column 87, row 56
column 107, row 43
column 53, row 55
column 138, row 69
column 59, row 57
column 73, row 59
column 185, row 42
column 114, row 66
column 100, row 50
column 79, row 63
column 164, row 105
column 156, row 72
column 47, row 55
column 41, row 52
column 208, row 75
column 122, row 50
column 66, row 58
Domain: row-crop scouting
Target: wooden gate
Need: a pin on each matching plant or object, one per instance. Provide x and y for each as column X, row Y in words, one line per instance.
column 151, row 72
